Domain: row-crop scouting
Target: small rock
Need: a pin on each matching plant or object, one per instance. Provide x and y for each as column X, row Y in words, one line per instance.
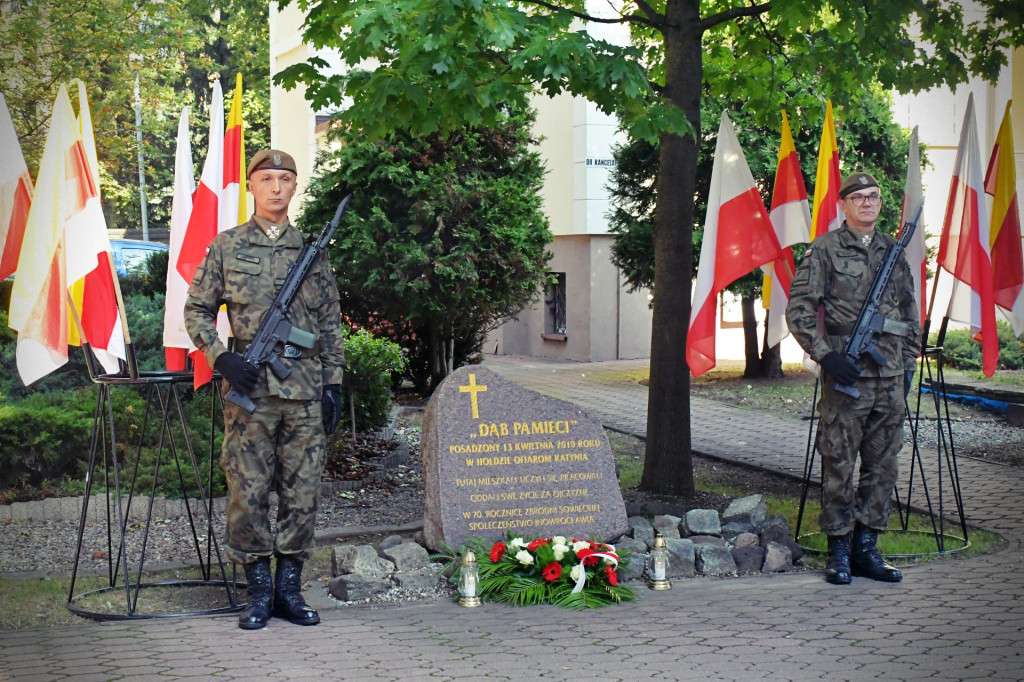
column 681, row 561
column 389, row 541
column 420, row 579
column 750, row 508
column 631, row 545
column 714, row 559
column 357, row 587
column 406, row 556
column 745, row 540
column 748, row 558
column 702, row 522
column 777, row 558
column 641, row 529
column 734, row 528
column 360, row 559
column 667, row 525
column 776, row 529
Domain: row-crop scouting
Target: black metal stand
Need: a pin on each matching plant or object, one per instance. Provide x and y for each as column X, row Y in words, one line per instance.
column 946, row 472
column 163, row 404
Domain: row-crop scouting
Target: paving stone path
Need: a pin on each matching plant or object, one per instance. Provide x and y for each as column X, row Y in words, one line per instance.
column 948, row 620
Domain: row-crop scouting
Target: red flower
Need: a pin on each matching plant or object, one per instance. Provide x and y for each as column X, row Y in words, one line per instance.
column 613, row 578
column 584, row 555
column 535, row 544
column 552, row 571
column 497, row 551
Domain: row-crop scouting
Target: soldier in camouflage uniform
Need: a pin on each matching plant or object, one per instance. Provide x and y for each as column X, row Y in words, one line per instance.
column 282, row 445
column 836, row 276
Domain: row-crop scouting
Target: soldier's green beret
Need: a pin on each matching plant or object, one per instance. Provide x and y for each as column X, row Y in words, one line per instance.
column 271, row 159
column 856, row 181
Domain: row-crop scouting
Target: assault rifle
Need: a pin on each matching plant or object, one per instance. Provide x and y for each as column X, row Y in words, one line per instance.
column 871, row 323
column 275, row 328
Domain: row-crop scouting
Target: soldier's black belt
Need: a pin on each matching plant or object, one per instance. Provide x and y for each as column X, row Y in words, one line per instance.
column 890, row 326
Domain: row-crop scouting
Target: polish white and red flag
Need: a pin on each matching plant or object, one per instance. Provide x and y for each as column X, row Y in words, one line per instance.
column 92, row 280
column 218, row 203
column 791, row 219
column 915, row 253
column 176, row 339
column 738, row 237
column 15, row 194
column 965, row 245
column 63, row 217
column 1005, row 237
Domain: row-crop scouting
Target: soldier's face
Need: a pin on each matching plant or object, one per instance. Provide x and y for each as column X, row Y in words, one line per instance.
column 862, row 208
column 272, row 191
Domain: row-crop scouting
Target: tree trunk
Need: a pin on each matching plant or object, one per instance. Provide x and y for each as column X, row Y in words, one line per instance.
column 771, row 358
column 751, row 356
column 668, row 466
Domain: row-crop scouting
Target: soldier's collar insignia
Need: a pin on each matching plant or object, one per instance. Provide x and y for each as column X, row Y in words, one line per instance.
column 867, row 238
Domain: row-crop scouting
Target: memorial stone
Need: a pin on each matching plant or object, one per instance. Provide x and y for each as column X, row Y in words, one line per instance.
column 498, row 458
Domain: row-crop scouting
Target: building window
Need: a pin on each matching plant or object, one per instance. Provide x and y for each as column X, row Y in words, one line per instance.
column 554, row 299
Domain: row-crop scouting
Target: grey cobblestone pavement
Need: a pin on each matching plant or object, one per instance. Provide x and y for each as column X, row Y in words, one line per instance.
column 948, row 620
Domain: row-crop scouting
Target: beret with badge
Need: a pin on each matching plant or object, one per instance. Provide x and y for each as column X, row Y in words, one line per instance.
column 856, row 181
column 271, row 159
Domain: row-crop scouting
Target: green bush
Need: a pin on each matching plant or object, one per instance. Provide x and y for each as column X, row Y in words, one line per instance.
column 371, row 363
column 44, row 437
column 961, row 351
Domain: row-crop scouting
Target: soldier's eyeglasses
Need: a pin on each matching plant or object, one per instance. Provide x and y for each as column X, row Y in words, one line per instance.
column 861, row 199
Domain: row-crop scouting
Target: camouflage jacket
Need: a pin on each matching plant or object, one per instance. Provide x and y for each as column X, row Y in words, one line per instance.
column 244, row 269
column 836, row 275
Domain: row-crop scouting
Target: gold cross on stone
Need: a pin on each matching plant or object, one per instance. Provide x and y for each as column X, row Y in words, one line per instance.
column 472, row 389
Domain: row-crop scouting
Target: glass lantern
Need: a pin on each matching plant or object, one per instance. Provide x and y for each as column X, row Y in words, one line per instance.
column 657, row 565
column 469, row 580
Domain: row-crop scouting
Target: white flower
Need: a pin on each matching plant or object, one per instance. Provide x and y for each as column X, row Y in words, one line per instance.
column 560, row 551
column 558, row 540
column 580, row 544
column 518, row 543
column 524, row 557
column 575, row 572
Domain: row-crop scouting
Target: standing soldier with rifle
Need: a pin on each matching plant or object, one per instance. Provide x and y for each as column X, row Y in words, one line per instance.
column 281, row 398
column 864, row 390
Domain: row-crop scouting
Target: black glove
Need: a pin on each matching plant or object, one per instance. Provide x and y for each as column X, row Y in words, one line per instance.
column 908, row 380
column 242, row 376
column 841, row 367
column 331, row 408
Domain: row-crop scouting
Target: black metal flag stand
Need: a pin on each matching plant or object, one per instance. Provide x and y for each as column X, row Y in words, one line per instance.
column 126, row 574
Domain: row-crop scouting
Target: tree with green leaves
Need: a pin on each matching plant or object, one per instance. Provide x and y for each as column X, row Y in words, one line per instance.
column 444, row 240
column 172, row 46
column 443, row 64
column 868, row 138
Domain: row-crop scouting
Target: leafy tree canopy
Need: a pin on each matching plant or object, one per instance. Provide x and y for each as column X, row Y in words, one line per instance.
column 173, row 45
column 444, row 239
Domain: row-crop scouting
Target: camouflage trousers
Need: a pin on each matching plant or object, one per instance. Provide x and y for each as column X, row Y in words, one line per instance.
column 282, row 447
column 871, row 426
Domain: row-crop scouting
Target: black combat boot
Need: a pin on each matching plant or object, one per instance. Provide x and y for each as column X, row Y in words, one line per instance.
column 866, row 561
column 261, row 594
column 837, row 571
column 288, row 601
